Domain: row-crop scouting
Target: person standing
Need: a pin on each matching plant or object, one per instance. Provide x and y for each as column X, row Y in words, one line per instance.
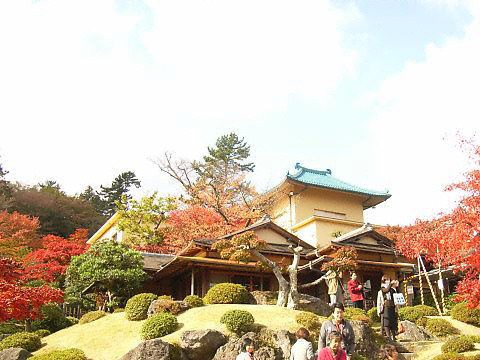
column 386, row 309
column 355, row 291
column 248, row 349
column 340, row 325
column 335, row 288
column 302, row 349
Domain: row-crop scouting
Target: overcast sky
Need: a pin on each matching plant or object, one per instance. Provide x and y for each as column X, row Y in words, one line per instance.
column 374, row 90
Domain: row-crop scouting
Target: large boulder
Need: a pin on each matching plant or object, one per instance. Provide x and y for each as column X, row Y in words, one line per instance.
column 306, row 302
column 233, row 347
column 413, row 332
column 154, row 349
column 201, row 344
column 364, row 339
column 283, row 344
column 264, row 297
column 14, row 354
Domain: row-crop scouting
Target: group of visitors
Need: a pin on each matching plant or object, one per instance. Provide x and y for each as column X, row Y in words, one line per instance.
column 337, row 339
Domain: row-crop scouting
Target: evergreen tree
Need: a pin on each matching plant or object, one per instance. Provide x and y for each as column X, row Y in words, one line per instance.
column 112, row 194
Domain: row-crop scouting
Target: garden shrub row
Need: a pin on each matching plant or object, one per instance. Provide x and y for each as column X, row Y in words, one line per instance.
column 458, row 344
column 28, row 341
column 462, row 312
column 439, row 327
column 413, row 313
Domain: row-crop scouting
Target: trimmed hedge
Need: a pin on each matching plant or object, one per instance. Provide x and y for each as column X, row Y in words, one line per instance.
column 440, row 327
column 458, row 344
column 52, row 319
column 309, row 320
column 73, row 320
column 227, row 293
column 372, row 314
column 237, row 321
column 67, row 354
column 137, row 306
column 28, row 341
column 11, row 328
column 158, row 325
column 92, row 316
column 351, row 312
column 193, row 301
column 413, row 313
column 461, row 312
column 42, row 332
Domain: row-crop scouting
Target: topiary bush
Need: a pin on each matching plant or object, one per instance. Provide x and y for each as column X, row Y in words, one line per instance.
column 92, row 316
column 351, row 311
column 137, row 306
column 413, row 313
column 449, row 356
column 458, row 344
column 52, row 319
column 193, row 301
column 440, row 327
column 73, row 320
column 237, row 321
column 372, row 314
column 227, row 293
column 363, row 318
column 158, row 325
column 42, row 332
column 167, row 305
column 422, row 321
column 309, row 320
column 67, row 354
column 28, row 341
column 462, row 312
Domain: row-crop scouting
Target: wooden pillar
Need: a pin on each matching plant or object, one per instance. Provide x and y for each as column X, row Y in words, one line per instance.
column 192, row 282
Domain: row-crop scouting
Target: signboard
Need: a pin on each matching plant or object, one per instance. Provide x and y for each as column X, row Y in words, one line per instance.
column 410, row 289
column 440, row 284
column 398, row 299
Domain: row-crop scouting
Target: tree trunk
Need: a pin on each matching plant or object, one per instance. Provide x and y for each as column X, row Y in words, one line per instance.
column 28, row 325
column 420, row 281
column 283, row 285
column 293, row 297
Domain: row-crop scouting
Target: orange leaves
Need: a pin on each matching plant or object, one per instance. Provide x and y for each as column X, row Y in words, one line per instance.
column 343, row 260
column 17, row 233
column 239, row 247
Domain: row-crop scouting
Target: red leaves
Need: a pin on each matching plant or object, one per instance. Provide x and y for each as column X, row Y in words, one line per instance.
column 17, row 233
column 343, row 260
column 18, row 301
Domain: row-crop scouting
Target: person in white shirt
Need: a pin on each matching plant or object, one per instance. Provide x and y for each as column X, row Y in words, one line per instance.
column 247, row 350
column 302, row 349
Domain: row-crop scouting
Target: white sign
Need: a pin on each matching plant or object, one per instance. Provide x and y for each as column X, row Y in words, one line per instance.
column 410, row 289
column 440, row 284
column 398, row 299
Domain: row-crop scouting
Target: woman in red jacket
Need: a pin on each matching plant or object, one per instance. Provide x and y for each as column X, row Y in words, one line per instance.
column 355, row 290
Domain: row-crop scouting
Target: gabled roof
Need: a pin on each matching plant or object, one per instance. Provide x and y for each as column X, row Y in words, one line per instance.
column 324, row 179
column 352, row 238
column 105, row 227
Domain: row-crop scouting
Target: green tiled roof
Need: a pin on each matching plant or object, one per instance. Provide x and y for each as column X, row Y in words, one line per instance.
column 324, row 179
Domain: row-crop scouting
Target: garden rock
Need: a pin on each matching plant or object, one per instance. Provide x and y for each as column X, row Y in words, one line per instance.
column 413, row 332
column 155, row 349
column 283, row 344
column 201, row 344
column 364, row 339
column 14, row 354
column 233, row 347
column 314, row 304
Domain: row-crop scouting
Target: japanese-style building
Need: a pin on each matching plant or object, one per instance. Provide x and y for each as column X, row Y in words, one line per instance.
column 314, row 210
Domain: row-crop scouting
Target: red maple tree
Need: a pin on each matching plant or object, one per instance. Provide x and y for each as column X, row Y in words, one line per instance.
column 453, row 238
column 18, row 234
column 52, row 259
column 18, row 301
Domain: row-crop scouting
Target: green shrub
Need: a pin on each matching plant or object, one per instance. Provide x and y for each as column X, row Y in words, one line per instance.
column 42, row 332
column 118, row 310
column 372, row 314
column 167, row 305
column 52, row 319
column 422, row 321
column 449, row 356
column 363, row 318
column 351, row 311
column 473, row 357
column 474, row 338
column 440, row 327
column 309, row 320
column 73, row 320
column 28, row 341
column 165, row 297
column 11, row 328
column 227, row 293
column 458, row 344
column 413, row 313
column 158, row 325
column 461, row 312
column 237, row 320
column 193, row 301
column 428, row 299
column 92, row 316
column 67, row 354
column 137, row 306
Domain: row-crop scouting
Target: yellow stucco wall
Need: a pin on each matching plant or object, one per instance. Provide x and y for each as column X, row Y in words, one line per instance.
column 281, row 212
column 270, row 236
column 324, row 230
column 308, row 233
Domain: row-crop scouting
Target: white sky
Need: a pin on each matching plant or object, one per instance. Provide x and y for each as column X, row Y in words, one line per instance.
column 89, row 89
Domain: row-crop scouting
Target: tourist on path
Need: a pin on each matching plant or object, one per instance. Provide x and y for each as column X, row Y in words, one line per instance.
column 335, row 287
column 302, row 349
column 386, row 308
column 334, row 350
column 340, row 325
column 355, row 290
column 247, row 350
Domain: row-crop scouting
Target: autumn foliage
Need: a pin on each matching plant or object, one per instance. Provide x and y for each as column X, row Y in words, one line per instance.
column 18, row 301
column 18, row 234
column 453, row 238
column 343, row 260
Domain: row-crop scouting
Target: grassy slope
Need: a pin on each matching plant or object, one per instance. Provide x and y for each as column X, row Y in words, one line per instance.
column 112, row 336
